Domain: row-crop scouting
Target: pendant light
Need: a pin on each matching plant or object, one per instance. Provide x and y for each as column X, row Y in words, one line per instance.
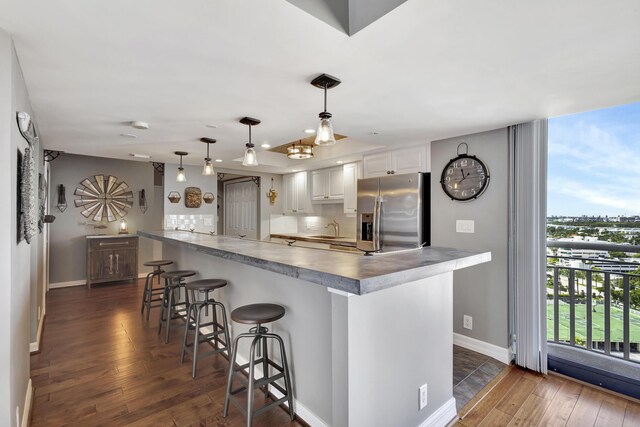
column 181, row 177
column 208, row 166
column 250, row 158
column 324, row 135
column 300, row 151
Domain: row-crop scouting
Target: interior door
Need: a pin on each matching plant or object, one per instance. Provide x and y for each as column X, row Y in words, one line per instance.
column 241, row 209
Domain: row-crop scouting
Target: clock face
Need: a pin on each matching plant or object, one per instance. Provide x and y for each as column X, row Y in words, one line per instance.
column 464, row 178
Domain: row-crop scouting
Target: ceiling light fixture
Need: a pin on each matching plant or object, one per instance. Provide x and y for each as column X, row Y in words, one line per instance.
column 339, row 162
column 140, row 125
column 219, row 160
column 300, row 151
column 128, row 135
column 250, row 158
column 212, row 126
column 324, row 135
column 266, row 146
column 142, row 156
column 208, row 166
column 309, row 131
column 181, row 177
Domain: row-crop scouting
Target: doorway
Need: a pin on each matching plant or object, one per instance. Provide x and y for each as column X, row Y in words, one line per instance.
column 238, row 206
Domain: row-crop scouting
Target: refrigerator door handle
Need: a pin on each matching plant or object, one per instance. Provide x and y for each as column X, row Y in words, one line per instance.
column 377, row 210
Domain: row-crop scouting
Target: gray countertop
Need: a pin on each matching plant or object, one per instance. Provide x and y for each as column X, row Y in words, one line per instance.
column 109, row 236
column 349, row 272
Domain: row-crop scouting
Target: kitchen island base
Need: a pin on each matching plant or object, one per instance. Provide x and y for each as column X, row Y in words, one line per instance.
column 355, row 360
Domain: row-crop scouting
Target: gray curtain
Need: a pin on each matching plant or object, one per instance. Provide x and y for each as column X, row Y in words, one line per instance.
column 527, row 243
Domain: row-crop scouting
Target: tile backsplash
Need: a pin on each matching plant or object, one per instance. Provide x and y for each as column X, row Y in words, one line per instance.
column 204, row 223
column 315, row 223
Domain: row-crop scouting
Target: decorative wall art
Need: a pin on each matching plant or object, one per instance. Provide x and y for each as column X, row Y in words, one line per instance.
column 103, row 198
column 29, row 195
column 272, row 194
column 62, row 198
column 19, row 218
column 42, row 198
column 174, row 197
column 27, row 127
column 208, row 198
column 192, row 197
column 142, row 201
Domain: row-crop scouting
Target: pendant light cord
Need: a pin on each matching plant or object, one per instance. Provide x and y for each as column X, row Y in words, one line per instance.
column 250, row 144
column 207, row 150
column 180, row 161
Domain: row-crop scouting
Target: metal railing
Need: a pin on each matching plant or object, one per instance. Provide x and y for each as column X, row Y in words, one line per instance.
column 591, row 306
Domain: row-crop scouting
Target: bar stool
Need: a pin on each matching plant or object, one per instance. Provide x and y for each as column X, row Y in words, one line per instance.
column 193, row 313
column 149, row 291
column 173, row 281
column 257, row 314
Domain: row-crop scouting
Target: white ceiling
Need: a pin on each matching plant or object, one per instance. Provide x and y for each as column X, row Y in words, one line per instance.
column 427, row 70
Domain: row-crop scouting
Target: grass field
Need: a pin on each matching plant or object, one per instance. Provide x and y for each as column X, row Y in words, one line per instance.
column 598, row 323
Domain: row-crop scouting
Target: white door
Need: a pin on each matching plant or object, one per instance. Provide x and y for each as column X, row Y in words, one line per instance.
column 409, row 160
column 350, row 177
column 376, row 165
column 319, row 185
column 303, row 201
column 290, row 195
column 336, row 184
column 241, row 209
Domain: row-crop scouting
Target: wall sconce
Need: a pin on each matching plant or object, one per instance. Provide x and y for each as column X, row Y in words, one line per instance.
column 124, row 228
column 62, row 198
column 142, row 201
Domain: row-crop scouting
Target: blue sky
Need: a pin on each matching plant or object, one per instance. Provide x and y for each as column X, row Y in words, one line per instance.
column 594, row 163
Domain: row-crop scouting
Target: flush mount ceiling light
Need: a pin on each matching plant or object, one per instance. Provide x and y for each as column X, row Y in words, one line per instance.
column 181, row 177
column 128, row 135
column 141, row 156
column 309, row 131
column 250, row 158
column 140, row 125
column 324, row 135
column 208, row 166
column 300, row 151
column 266, row 146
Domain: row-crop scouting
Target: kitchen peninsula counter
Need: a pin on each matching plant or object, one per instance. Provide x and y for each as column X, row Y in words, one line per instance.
column 362, row 333
column 349, row 272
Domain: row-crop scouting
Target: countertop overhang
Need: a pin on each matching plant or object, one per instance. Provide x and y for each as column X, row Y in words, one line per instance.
column 348, row 272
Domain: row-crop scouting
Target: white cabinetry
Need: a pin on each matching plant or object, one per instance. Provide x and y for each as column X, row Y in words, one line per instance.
column 406, row 160
column 296, row 193
column 327, row 184
column 350, row 177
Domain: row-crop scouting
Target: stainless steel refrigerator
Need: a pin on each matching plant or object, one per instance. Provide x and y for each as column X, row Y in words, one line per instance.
column 393, row 212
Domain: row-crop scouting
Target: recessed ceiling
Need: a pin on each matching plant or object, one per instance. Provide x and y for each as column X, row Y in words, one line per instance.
column 428, row 69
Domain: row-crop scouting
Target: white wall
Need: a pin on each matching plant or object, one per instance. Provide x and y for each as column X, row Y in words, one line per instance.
column 15, row 259
column 481, row 291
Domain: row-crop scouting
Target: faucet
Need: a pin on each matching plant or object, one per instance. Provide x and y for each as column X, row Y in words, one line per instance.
column 336, row 227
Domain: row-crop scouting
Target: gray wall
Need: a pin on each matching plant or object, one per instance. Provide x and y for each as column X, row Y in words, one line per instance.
column 210, row 184
column 481, row 291
column 68, row 242
column 15, row 259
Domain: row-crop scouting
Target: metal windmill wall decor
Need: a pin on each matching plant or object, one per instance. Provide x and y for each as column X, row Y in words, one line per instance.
column 103, row 198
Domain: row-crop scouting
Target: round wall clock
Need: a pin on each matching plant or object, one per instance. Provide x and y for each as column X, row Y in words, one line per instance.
column 103, row 197
column 464, row 177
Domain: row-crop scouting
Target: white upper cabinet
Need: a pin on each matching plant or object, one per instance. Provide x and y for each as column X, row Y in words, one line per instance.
column 327, row 184
column 296, row 193
column 406, row 160
column 350, row 177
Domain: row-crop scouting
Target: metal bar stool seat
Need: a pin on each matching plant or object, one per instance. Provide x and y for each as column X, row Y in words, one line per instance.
column 194, row 312
column 258, row 314
column 150, row 294
column 175, row 309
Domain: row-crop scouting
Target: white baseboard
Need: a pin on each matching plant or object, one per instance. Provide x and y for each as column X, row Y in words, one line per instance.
column 501, row 354
column 302, row 411
column 57, row 285
column 28, row 399
column 442, row 416
column 80, row 282
column 35, row 346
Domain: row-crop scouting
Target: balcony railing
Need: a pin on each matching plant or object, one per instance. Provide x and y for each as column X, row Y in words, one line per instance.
column 594, row 306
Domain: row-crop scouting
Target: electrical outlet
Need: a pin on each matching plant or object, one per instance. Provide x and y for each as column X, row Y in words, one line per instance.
column 467, row 322
column 423, row 396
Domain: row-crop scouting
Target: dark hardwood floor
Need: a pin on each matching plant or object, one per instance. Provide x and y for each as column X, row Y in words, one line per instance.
column 101, row 364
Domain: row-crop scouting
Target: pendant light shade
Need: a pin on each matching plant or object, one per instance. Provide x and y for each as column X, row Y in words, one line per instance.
column 324, row 135
column 208, row 166
column 300, row 151
column 250, row 158
column 181, row 176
